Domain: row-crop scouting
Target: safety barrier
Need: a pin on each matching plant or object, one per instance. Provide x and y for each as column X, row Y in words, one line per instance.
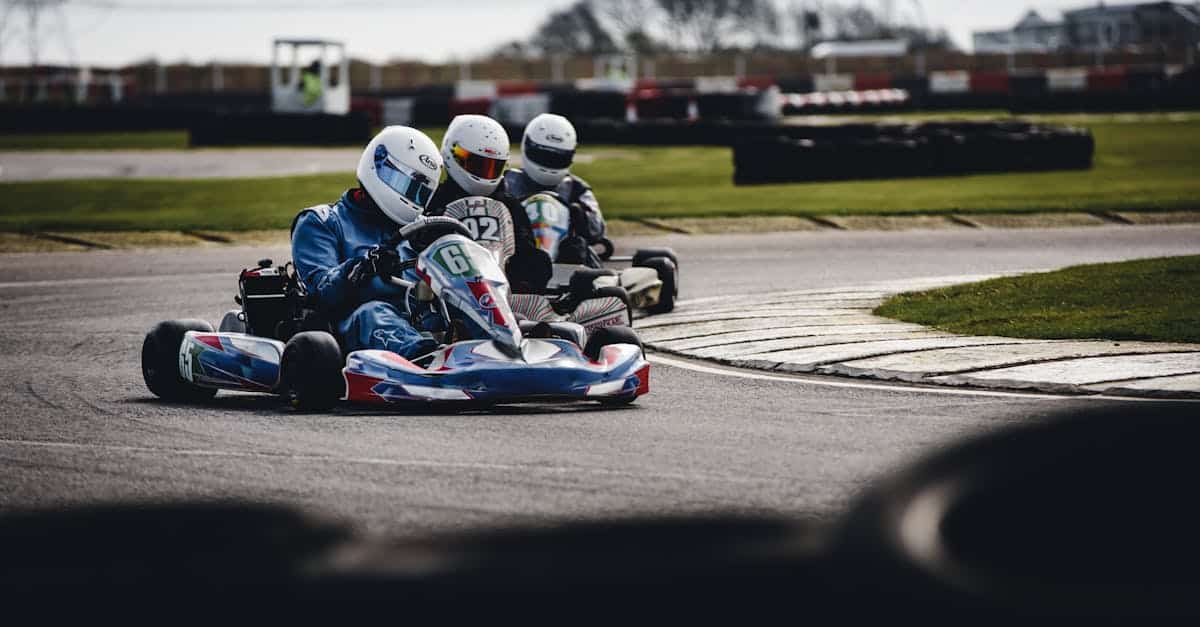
column 238, row 129
column 856, row 152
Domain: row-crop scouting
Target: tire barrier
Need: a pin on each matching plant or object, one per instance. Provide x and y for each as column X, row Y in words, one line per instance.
column 239, row 129
column 662, row 105
column 808, row 154
column 588, row 105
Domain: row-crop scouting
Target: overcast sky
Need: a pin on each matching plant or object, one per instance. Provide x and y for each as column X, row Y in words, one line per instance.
column 116, row 32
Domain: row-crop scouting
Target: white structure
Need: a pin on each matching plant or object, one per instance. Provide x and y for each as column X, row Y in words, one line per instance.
column 289, row 93
column 1033, row 33
column 831, row 51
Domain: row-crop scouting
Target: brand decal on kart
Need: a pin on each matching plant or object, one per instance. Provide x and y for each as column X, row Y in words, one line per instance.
column 486, row 300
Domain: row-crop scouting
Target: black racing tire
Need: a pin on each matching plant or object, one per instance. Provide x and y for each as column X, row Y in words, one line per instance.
column 668, row 273
column 582, row 283
column 607, row 336
column 643, row 254
column 311, row 371
column 615, row 291
column 619, row 334
column 160, row 362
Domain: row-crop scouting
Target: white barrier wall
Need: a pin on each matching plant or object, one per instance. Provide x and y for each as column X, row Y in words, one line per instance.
column 833, row 82
column 474, row 90
column 1066, row 79
column 398, row 111
column 949, row 82
column 519, row 110
column 716, row 84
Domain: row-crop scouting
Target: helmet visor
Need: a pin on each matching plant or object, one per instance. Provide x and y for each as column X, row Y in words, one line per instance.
column 481, row 166
column 414, row 186
column 547, row 156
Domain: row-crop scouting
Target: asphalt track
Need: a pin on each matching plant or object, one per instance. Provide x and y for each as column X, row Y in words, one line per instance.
column 78, row 426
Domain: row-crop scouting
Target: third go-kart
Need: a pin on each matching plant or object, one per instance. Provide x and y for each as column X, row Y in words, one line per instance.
column 278, row 343
column 651, row 279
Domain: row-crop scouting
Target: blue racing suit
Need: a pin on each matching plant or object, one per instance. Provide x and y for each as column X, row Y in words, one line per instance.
column 327, row 242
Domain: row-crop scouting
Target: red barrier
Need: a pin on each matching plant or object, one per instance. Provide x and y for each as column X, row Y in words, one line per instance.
column 756, row 82
column 866, row 82
column 989, row 82
column 517, row 88
column 373, row 107
column 1107, row 79
column 479, row 106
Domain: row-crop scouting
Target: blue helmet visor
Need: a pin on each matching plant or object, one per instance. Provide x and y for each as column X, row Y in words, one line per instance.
column 412, row 185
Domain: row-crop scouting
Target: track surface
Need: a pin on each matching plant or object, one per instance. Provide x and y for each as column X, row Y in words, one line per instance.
column 77, row 424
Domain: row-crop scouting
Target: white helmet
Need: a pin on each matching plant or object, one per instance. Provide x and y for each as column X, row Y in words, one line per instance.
column 475, row 149
column 400, row 170
column 548, row 148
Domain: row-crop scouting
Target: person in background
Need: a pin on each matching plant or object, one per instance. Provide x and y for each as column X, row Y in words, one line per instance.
column 547, row 152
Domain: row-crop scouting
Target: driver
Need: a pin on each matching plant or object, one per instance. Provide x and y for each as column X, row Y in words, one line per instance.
column 548, row 149
column 475, row 151
column 339, row 249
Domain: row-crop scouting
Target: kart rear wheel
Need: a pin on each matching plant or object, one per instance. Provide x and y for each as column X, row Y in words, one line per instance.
column 160, row 362
column 615, row 291
column 582, row 283
column 311, row 370
column 668, row 273
column 642, row 254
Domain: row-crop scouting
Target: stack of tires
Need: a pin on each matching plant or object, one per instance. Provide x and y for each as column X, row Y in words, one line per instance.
column 803, row 154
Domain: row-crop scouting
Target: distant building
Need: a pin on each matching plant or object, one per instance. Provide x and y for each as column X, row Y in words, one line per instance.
column 1115, row 26
column 1099, row 27
column 1033, row 33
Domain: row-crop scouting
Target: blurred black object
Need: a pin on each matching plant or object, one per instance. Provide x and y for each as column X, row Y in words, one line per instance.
column 891, row 151
column 265, row 128
column 1084, row 517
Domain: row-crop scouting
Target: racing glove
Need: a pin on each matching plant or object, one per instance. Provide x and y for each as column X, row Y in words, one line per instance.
column 378, row 261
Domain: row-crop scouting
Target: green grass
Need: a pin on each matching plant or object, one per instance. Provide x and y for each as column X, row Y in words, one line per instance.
column 1147, row 299
column 148, row 140
column 1149, row 164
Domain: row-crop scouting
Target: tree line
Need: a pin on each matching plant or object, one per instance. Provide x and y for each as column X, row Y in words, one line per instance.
column 708, row 26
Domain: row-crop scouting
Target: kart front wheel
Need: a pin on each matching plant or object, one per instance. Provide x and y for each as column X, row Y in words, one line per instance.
column 311, row 370
column 607, row 336
column 160, row 362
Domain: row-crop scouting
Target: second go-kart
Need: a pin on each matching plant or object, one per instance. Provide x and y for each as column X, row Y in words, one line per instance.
column 651, row 280
column 278, row 343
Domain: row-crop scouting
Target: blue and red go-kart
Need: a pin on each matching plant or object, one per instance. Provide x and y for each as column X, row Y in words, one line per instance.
column 278, row 343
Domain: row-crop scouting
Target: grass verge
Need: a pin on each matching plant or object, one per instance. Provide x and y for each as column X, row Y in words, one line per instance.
column 1147, row 299
column 1146, row 165
column 144, row 140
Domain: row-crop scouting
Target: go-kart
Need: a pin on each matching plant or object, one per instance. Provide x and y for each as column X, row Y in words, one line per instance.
column 279, row 342
column 589, row 304
column 651, row 280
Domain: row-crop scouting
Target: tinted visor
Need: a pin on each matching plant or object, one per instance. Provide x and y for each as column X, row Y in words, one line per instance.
column 478, row 165
column 414, row 186
column 548, row 156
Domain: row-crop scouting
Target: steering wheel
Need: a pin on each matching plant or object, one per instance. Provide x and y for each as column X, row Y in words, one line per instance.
column 422, row 233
